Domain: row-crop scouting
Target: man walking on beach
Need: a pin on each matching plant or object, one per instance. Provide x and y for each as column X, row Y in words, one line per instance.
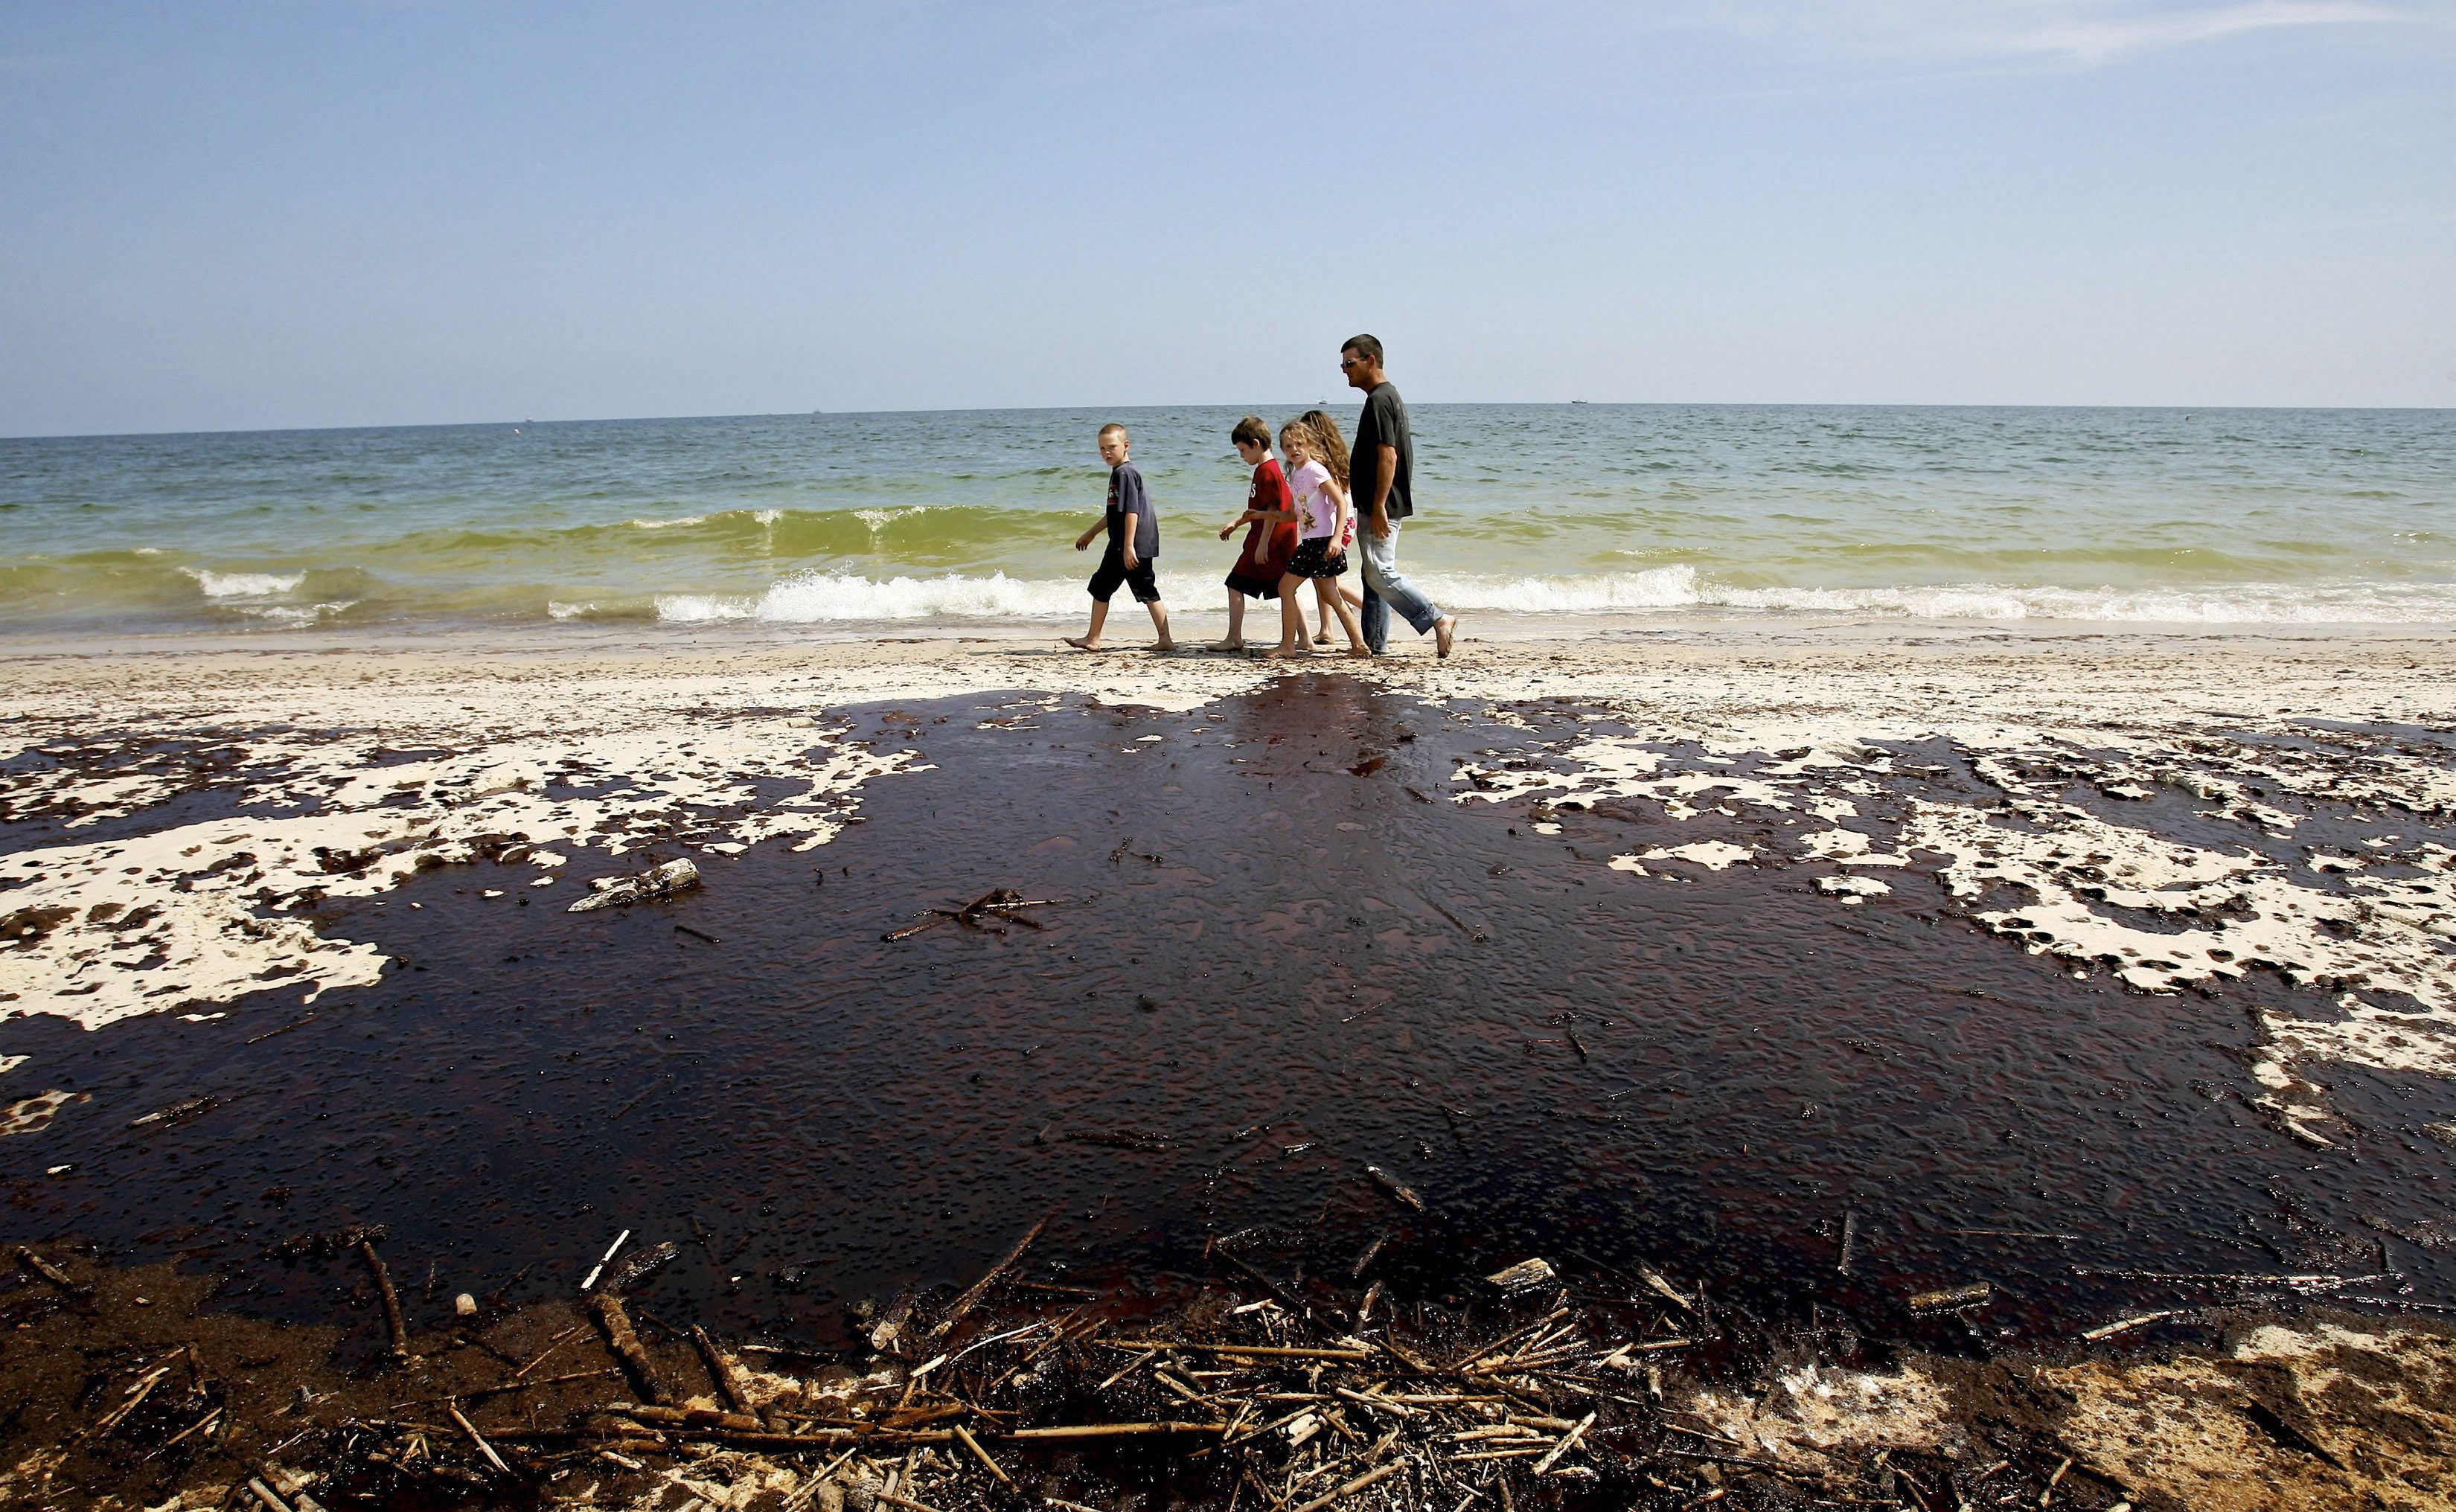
column 1381, row 476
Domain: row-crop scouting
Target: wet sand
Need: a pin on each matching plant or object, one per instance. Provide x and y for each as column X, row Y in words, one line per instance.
column 1820, row 971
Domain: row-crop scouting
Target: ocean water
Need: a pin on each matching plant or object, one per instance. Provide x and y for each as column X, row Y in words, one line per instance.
column 2308, row 517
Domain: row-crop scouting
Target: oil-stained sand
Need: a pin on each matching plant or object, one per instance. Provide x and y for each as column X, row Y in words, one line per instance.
column 1268, row 972
column 1283, row 952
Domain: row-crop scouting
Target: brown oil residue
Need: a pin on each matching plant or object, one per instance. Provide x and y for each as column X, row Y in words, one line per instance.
column 1278, row 954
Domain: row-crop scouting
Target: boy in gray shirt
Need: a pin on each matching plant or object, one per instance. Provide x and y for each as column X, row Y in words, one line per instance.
column 1134, row 545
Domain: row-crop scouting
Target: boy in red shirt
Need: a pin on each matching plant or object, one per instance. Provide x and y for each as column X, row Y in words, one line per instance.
column 1272, row 539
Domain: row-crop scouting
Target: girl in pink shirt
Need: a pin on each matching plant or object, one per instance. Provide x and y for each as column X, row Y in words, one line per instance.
column 1322, row 514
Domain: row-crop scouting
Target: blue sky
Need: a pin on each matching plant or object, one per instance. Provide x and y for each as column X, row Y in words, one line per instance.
column 320, row 213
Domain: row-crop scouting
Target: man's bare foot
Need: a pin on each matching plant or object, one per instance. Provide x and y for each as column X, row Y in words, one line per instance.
column 1163, row 645
column 1232, row 643
column 1445, row 633
column 1082, row 643
column 1279, row 653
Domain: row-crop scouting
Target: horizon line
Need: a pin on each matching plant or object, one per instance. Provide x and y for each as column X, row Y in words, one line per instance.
column 1088, row 409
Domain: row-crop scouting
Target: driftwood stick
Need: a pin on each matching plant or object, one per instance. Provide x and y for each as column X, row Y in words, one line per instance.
column 978, row 1288
column 1357, row 1271
column 475, row 1392
column 1369, row 1478
column 693, row 1417
column 1400, row 1192
column 644, row 1435
column 1254, row 1273
column 391, row 1299
column 620, row 1336
column 551, row 1345
column 81, row 1296
column 204, row 1421
column 1568, row 1441
column 1242, row 1351
column 479, row 1438
column 266, row 1496
column 1109, row 1430
column 721, row 1371
column 137, row 1394
column 982, row 1455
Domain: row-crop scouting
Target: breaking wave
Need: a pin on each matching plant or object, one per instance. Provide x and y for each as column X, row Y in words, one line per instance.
column 824, row 597
column 243, row 584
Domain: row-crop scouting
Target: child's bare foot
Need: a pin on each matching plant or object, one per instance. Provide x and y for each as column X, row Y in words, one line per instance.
column 1322, row 637
column 1359, row 649
column 1234, row 642
column 1082, row 643
column 1163, row 645
column 1279, row 653
column 1445, row 633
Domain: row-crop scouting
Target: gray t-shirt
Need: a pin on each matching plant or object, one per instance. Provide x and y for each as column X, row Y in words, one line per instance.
column 1383, row 423
column 1127, row 495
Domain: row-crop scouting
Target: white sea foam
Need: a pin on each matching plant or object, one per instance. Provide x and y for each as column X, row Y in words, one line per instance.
column 243, row 584
column 1584, row 593
column 1680, row 587
column 816, row 597
column 556, row 609
column 667, row 524
column 295, row 614
column 819, row 597
column 877, row 520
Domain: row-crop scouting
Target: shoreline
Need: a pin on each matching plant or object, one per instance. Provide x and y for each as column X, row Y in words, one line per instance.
column 1490, row 628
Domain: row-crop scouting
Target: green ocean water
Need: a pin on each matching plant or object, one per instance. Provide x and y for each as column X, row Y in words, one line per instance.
column 2107, row 515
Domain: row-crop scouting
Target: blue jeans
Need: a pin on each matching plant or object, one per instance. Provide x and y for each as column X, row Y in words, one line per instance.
column 1386, row 589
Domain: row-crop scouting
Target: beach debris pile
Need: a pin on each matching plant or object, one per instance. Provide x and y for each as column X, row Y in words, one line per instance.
column 1555, row 1384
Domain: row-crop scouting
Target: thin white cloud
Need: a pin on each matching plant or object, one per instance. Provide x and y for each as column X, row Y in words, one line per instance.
column 2070, row 32
column 2110, row 32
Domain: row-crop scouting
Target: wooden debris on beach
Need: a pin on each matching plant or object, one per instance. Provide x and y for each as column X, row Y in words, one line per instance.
column 391, row 1299
column 1276, row 1386
column 999, row 904
column 80, row 1296
column 2125, row 1325
column 640, row 1265
column 589, row 1281
column 656, row 882
column 1951, row 1299
column 1523, row 1276
column 973, row 1294
column 1400, row 1192
column 615, row 1320
column 1547, row 1390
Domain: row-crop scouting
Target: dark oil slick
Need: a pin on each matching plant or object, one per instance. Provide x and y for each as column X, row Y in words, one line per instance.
column 1280, row 953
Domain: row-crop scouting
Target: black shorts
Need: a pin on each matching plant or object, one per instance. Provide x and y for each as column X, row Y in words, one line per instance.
column 1253, row 587
column 1145, row 578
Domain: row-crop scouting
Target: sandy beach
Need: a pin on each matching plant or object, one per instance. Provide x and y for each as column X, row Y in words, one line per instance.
column 2130, row 941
